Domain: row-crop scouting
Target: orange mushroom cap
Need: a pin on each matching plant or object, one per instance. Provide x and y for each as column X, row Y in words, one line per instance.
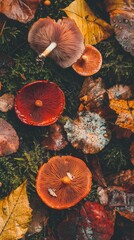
column 63, row 181
column 89, row 63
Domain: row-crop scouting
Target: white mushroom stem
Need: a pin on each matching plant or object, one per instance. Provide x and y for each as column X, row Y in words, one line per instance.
column 48, row 50
column 84, row 57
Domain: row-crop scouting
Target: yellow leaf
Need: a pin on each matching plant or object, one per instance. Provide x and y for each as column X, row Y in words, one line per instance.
column 15, row 214
column 93, row 29
column 125, row 109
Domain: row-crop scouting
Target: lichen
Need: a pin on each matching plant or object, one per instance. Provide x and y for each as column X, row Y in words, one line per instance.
column 88, row 132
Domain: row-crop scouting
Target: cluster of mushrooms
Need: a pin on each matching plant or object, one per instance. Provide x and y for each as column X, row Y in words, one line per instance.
column 64, row 180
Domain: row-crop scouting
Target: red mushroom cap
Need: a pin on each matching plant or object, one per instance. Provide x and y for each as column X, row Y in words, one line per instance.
column 39, row 103
column 63, row 181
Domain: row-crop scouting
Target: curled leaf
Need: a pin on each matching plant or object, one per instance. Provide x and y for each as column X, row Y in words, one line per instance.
column 15, row 214
column 93, row 29
column 9, row 141
column 20, row 10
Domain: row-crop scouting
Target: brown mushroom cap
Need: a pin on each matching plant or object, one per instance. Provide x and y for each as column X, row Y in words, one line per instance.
column 89, row 63
column 63, row 181
column 65, row 33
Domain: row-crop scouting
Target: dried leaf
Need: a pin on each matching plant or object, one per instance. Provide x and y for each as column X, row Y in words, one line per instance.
column 15, row 214
column 88, row 132
column 6, row 102
column 102, row 195
column 119, row 92
column 132, row 152
column 9, row 141
column 122, row 202
column 122, row 20
column 121, row 132
column 93, row 29
column 20, row 10
column 55, row 139
column 96, row 217
column 124, row 179
column 39, row 218
column 97, row 172
column 125, row 109
column 92, row 94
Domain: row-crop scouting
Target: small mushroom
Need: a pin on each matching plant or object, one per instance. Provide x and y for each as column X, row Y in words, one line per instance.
column 61, row 40
column 56, row 138
column 6, row 102
column 9, row 141
column 68, row 178
column 88, row 132
column 89, row 63
column 39, row 103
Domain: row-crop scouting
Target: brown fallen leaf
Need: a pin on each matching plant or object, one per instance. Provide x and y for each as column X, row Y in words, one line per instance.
column 92, row 94
column 102, row 195
column 124, row 228
column 119, row 92
column 122, row 20
column 121, row 132
column 96, row 220
column 125, row 111
column 94, row 29
column 124, row 179
column 131, row 150
column 20, row 10
column 122, row 202
column 39, row 216
column 15, row 214
column 9, row 141
column 55, row 139
column 97, row 172
column 6, row 102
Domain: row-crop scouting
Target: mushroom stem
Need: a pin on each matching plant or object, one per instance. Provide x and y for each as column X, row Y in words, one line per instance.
column 38, row 103
column 48, row 50
column 84, row 58
column 66, row 180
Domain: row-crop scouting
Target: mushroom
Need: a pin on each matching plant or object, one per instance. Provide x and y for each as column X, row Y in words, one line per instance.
column 9, row 141
column 6, row 102
column 89, row 63
column 61, row 40
column 39, row 103
column 88, row 132
column 63, row 181
column 55, row 139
